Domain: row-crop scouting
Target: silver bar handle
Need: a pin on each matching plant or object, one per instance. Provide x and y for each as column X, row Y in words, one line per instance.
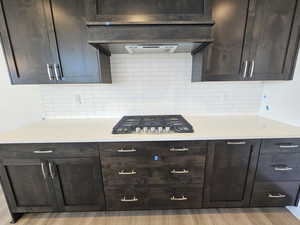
column 57, row 72
column 184, row 171
column 288, row 146
column 286, row 168
column 245, row 69
column 179, row 149
column 52, row 174
column 236, row 142
column 49, row 70
column 126, row 150
column 43, row 152
column 132, row 172
column 43, row 171
column 276, row 196
column 134, row 199
column 252, row 68
column 183, row 198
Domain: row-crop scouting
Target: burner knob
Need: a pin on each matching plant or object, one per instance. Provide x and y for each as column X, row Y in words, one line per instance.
column 152, row 129
column 145, row 129
column 138, row 130
column 160, row 130
column 167, row 129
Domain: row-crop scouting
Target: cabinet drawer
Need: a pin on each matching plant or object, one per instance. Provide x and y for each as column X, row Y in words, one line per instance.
column 275, row 194
column 148, row 149
column 168, row 174
column 128, row 198
column 280, row 167
column 280, row 146
column 48, row 150
column 154, row 160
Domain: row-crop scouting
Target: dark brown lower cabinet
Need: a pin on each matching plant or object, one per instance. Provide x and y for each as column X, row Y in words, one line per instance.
column 267, row 194
column 149, row 175
column 230, row 173
column 63, row 184
column 132, row 197
column 27, row 186
column 78, row 183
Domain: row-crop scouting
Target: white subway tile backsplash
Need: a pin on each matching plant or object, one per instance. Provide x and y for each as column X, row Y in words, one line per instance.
column 151, row 84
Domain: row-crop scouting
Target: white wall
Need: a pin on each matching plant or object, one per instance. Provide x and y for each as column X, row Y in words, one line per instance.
column 151, row 84
column 18, row 104
column 283, row 99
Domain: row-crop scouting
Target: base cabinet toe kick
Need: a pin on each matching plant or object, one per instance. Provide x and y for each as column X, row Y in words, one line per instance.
column 149, row 175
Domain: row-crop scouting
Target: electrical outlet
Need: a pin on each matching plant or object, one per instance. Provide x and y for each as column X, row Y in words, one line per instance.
column 78, row 100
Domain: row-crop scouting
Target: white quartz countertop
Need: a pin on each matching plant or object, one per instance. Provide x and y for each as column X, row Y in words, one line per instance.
column 99, row 130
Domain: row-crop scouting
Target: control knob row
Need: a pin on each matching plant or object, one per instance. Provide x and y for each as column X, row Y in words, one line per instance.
column 153, row 130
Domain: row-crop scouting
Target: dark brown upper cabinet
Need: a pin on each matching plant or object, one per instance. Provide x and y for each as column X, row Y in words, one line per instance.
column 117, row 12
column 253, row 40
column 46, row 42
column 80, row 62
column 28, row 41
column 274, row 39
column 230, row 172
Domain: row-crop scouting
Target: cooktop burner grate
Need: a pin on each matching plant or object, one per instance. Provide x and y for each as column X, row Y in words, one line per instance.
column 153, row 124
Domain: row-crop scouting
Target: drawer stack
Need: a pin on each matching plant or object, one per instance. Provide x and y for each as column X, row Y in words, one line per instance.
column 153, row 175
column 278, row 174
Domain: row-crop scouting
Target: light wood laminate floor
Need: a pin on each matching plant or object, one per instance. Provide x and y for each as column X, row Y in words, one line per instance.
column 266, row 216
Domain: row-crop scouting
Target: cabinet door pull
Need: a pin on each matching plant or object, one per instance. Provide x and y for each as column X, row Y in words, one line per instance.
column 183, row 198
column 132, row 172
column 43, row 171
column 288, row 146
column 276, row 196
column 282, row 168
column 126, row 150
column 179, row 149
column 184, row 171
column 252, row 68
column 245, row 69
column 236, row 143
column 51, row 169
column 57, row 72
column 49, row 70
column 134, row 199
column 43, row 151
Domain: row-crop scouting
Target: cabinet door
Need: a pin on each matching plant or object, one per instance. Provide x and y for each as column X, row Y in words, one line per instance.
column 225, row 58
column 28, row 40
column 148, row 12
column 78, row 183
column 230, row 173
column 27, row 185
column 275, row 39
column 80, row 61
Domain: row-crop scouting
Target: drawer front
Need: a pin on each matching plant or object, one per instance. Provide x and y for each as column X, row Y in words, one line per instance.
column 48, row 150
column 187, row 197
column 281, row 146
column 133, row 198
column 280, row 167
column 167, row 174
column 275, row 194
column 126, row 198
column 148, row 149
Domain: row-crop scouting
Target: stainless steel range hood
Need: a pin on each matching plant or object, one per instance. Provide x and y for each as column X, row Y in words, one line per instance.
column 150, row 48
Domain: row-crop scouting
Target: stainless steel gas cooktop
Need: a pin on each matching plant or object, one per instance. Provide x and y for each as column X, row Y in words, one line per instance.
column 153, row 124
